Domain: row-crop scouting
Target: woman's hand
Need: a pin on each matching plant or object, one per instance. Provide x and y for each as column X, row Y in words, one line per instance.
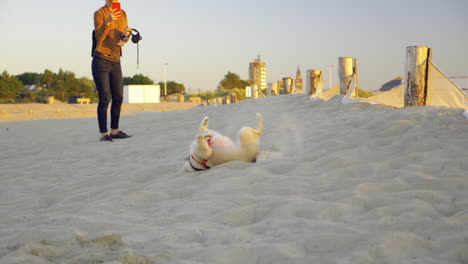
column 115, row 14
column 128, row 31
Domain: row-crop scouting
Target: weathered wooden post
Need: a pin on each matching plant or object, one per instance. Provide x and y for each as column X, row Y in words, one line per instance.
column 274, row 89
column 233, row 98
column 315, row 80
column 227, row 99
column 255, row 91
column 356, row 74
column 288, row 85
column 346, row 71
column 417, row 71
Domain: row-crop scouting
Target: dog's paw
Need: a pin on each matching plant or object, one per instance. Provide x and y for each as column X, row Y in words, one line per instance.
column 205, row 121
column 202, row 136
column 208, row 134
column 204, row 124
column 259, row 117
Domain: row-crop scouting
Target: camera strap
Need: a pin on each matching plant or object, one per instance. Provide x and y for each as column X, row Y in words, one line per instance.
column 136, row 39
column 138, row 56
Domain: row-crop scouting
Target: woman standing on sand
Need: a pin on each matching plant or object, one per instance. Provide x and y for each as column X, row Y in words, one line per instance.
column 111, row 32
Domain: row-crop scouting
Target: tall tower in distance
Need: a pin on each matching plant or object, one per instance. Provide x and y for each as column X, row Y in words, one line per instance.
column 299, row 82
column 257, row 73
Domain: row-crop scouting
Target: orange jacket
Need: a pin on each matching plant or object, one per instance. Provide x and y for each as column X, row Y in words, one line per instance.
column 108, row 34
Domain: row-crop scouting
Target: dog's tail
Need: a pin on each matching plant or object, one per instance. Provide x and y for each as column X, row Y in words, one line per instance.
column 260, row 124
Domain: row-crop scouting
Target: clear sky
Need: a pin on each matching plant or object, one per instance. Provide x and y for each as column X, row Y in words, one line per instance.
column 203, row 40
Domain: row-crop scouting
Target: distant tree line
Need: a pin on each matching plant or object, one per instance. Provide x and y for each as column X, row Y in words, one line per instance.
column 171, row 86
column 232, row 83
column 37, row 87
column 31, row 87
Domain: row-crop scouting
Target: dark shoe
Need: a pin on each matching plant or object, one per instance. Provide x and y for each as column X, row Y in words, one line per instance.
column 106, row 138
column 119, row 135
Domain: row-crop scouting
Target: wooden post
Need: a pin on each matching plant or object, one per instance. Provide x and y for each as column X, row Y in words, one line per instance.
column 255, row 93
column 280, row 87
column 274, row 89
column 316, row 79
column 356, row 74
column 288, row 85
column 233, row 98
column 346, row 73
column 417, row 59
column 227, row 99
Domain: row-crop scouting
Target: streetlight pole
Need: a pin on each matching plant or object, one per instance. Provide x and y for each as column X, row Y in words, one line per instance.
column 165, row 79
column 330, row 72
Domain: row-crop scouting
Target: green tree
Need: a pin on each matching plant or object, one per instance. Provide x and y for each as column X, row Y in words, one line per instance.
column 65, row 85
column 232, row 81
column 10, row 86
column 31, row 78
column 208, row 95
column 138, row 79
column 172, row 87
column 87, row 88
column 48, row 79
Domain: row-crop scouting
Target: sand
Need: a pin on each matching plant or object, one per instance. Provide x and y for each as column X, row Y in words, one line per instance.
column 335, row 183
column 28, row 112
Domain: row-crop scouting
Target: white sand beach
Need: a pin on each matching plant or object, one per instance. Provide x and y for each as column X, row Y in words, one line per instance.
column 335, row 183
column 28, row 112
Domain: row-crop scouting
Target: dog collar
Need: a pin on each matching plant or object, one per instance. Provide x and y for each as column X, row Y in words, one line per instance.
column 202, row 163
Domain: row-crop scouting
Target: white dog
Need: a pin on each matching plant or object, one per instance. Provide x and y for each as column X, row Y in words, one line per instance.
column 210, row 148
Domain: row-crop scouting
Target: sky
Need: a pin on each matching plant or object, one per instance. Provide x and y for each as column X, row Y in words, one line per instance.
column 201, row 41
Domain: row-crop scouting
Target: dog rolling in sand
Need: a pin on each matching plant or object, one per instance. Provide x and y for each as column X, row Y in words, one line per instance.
column 210, row 148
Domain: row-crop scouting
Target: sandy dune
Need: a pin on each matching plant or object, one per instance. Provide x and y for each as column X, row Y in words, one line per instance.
column 334, row 184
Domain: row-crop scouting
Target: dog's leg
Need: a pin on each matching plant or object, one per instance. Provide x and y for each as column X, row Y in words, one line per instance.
column 204, row 148
column 248, row 137
column 204, row 124
column 260, row 124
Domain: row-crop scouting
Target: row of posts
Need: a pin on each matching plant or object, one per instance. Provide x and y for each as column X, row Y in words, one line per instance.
column 227, row 99
column 416, row 73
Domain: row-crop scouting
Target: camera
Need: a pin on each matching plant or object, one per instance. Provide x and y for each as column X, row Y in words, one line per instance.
column 136, row 37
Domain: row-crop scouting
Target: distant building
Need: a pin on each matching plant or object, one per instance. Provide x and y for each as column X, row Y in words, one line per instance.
column 258, row 73
column 299, row 84
column 141, row 94
column 273, row 89
column 33, row 87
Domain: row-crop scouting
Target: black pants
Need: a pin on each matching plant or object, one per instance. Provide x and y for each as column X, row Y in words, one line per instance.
column 108, row 78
